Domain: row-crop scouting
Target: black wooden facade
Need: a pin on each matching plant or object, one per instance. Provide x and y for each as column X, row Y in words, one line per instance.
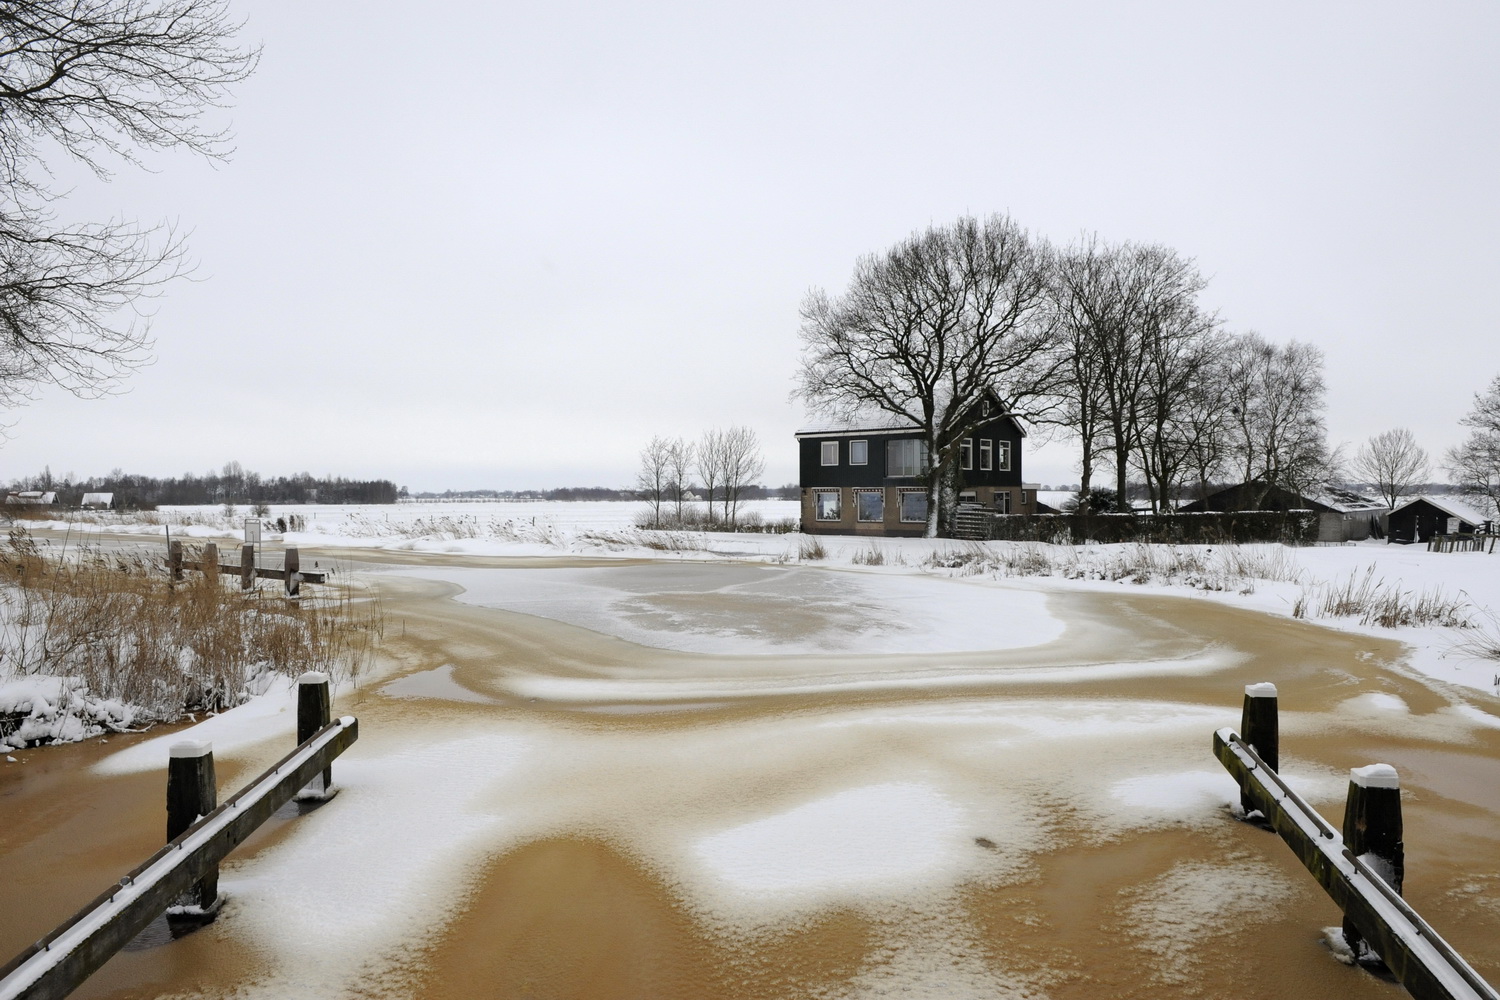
column 863, row 480
column 1418, row 520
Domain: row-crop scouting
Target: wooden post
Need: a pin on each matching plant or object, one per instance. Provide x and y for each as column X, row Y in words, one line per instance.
column 247, row 567
column 293, row 579
column 1260, row 728
column 174, row 561
column 192, row 792
column 1372, row 833
column 210, row 563
column 314, row 711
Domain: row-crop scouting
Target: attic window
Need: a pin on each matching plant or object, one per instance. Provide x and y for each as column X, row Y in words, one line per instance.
column 984, row 408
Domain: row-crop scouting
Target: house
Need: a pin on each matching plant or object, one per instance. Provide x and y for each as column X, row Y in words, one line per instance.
column 33, row 498
column 1419, row 518
column 97, row 501
column 866, row 476
column 1343, row 515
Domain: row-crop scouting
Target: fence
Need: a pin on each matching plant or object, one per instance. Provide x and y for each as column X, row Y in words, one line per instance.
column 291, row 573
column 181, row 880
column 1361, row 869
column 1461, row 543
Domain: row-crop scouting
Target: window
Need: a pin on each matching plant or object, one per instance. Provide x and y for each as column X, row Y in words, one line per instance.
column 985, row 408
column 986, row 455
column 830, row 453
column 826, row 506
column 1024, row 501
column 859, row 453
column 966, row 454
column 914, row 506
column 869, row 505
column 1002, row 502
column 1004, row 447
column 906, row 458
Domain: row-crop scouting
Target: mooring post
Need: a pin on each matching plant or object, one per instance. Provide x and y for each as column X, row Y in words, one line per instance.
column 174, row 561
column 293, row 578
column 314, row 711
column 1259, row 728
column 247, row 567
column 1372, row 833
column 192, row 792
column 210, row 563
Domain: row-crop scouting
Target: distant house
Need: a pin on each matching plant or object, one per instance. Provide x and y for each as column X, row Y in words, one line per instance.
column 1419, row 518
column 1343, row 515
column 866, row 476
column 33, row 498
column 97, row 501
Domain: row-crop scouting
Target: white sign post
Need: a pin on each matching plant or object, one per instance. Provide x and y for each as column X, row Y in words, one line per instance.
column 252, row 530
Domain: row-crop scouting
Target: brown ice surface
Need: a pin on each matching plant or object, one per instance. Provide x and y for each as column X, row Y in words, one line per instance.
column 1097, row 907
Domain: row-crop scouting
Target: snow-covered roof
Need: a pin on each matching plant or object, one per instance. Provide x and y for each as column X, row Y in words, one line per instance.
column 1451, row 507
column 876, row 420
column 1344, row 501
column 91, row 498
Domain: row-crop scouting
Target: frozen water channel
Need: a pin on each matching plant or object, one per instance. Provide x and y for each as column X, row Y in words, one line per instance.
column 749, row 609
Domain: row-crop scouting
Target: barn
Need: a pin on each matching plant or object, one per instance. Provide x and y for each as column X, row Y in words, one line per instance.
column 1419, row 518
column 1343, row 515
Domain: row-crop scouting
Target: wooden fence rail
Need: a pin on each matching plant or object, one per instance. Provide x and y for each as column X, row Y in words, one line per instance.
column 1416, row 954
column 58, row 963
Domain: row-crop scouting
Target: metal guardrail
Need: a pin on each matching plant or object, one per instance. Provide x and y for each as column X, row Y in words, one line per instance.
column 54, row 966
column 1419, row 958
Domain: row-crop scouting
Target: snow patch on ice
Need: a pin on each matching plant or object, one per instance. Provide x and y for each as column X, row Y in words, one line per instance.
column 270, row 715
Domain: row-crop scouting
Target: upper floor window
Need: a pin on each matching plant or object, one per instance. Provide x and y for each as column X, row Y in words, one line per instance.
column 906, row 458
column 966, row 454
column 830, row 453
column 859, row 453
column 1004, row 456
column 986, row 455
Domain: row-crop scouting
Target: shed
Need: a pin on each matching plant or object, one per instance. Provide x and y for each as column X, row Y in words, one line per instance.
column 97, row 501
column 1343, row 515
column 1419, row 518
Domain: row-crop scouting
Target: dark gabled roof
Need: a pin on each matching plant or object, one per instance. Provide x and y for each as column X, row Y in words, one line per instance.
column 872, row 420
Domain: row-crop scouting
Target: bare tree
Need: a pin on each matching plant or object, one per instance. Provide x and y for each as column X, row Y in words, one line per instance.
column 653, row 481
column 1475, row 464
column 1393, row 463
column 680, row 456
column 926, row 329
column 711, row 459
column 1276, row 402
column 743, row 464
column 97, row 81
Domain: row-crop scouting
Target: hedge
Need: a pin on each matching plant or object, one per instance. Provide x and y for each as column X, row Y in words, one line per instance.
column 1293, row 527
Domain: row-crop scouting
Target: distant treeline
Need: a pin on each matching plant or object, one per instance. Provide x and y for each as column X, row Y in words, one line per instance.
column 232, row 485
column 788, row 492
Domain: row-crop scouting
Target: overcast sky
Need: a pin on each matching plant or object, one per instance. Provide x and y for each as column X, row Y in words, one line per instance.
column 505, row 244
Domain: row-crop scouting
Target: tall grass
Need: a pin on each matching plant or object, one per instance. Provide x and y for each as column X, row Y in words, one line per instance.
column 1227, row 567
column 115, row 625
column 1373, row 601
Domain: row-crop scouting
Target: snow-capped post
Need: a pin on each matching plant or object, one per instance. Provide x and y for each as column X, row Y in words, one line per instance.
column 1372, row 833
column 210, row 563
column 174, row 561
column 192, row 792
column 314, row 711
column 247, row 567
column 293, row 577
column 1259, row 728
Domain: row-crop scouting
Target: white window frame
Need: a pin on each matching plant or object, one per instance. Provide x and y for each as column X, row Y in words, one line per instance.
column 986, row 455
column 1002, row 501
column 901, row 506
column 966, row 454
column 1003, row 464
column 859, row 444
column 832, row 446
column 922, row 458
column 838, row 505
column 859, row 514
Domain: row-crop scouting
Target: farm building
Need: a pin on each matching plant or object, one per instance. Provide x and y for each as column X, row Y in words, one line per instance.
column 1419, row 518
column 866, row 476
column 97, row 501
column 1343, row 516
column 32, row 498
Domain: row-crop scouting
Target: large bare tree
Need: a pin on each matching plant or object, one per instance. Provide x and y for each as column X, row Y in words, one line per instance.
column 1276, row 401
column 1393, row 463
column 1475, row 464
column 926, row 329
column 95, row 82
column 743, row 464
